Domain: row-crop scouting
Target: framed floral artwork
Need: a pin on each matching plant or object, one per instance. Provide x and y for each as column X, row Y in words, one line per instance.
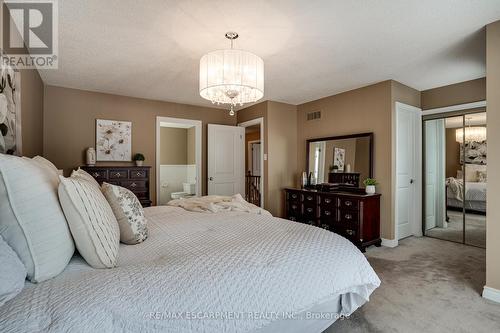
column 113, row 140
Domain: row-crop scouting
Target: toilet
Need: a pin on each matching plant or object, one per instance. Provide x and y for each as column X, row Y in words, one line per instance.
column 189, row 191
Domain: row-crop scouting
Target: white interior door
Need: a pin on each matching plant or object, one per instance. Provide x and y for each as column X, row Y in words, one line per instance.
column 408, row 209
column 226, row 160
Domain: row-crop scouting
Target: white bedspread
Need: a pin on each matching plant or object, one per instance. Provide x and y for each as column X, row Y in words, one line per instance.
column 474, row 191
column 198, row 264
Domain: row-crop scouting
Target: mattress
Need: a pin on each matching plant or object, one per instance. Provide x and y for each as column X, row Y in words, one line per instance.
column 204, row 272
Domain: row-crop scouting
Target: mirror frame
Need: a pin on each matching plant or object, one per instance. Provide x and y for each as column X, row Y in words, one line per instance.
column 342, row 137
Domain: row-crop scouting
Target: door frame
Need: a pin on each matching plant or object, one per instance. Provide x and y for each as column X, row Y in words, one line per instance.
column 259, row 121
column 198, row 148
column 417, row 167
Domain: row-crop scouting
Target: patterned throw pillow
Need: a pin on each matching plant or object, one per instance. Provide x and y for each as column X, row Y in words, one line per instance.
column 129, row 213
column 481, row 176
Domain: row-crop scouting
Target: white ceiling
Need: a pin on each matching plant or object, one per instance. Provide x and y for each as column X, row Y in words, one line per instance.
column 311, row 49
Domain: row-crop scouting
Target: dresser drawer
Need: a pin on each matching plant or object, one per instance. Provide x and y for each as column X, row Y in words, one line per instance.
column 327, row 213
column 309, row 199
column 99, row 174
column 134, row 185
column 294, row 196
column 118, row 174
column 138, row 174
column 327, row 201
column 310, row 212
column 348, row 203
column 348, row 217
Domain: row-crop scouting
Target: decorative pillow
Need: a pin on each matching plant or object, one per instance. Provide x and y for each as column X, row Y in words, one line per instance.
column 91, row 221
column 12, row 274
column 129, row 213
column 82, row 174
column 31, row 219
column 481, row 176
column 49, row 168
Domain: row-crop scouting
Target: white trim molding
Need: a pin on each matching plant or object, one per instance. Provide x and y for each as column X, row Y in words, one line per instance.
column 259, row 121
column 491, row 294
column 459, row 107
column 389, row 242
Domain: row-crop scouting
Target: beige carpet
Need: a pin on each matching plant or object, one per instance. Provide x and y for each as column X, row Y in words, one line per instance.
column 428, row 285
column 475, row 229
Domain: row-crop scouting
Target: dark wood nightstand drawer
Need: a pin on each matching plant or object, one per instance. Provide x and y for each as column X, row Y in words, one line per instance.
column 138, row 174
column 99, row 174
column 134, row 184
column 118, row 174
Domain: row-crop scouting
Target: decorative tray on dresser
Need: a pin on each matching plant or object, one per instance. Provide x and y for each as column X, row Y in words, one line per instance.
column 349, row 213
column 136, row 179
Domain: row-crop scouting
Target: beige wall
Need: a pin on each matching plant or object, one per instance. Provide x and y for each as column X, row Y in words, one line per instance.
column 31, row 113
column 362, row 110
column 282, row 153
column 173, row 146
column 493, row 109
column 252, row 136
column 69, row 125
column 459, row 93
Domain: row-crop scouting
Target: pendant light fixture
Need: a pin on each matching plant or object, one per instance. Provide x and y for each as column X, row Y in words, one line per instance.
column 231, row 76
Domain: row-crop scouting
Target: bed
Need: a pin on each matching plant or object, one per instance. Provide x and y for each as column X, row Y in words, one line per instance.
column 204, row 272
column 475, row 195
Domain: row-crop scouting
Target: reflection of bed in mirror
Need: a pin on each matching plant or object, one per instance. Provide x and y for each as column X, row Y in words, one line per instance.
column 341, row 159
column 475, row 190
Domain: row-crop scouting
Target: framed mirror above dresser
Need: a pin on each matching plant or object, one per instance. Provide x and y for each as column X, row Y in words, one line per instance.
column 336, row 202
column 346, row 159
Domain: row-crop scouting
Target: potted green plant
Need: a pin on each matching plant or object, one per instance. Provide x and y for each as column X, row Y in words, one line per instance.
column 370, row 184
column 139, row 159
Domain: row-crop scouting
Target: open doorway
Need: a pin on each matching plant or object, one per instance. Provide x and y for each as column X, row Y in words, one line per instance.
column 254, row 161
column 178, row 159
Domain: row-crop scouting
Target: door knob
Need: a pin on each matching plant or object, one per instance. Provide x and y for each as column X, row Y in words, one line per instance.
column 211, row 178
column 411, row 181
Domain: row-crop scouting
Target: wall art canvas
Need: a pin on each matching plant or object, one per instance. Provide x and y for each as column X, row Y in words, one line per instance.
column 113, row 140
column 10, row 110
column 475, row 153
column 339, row 158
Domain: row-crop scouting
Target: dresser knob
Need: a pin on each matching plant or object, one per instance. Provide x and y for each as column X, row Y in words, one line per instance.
column 95, row 174
column 309, row 210
column 294, row 196
column 133, row 185
column 309, row 198
column 349, row 232
column 328, row 200
column 348, row 216
column 328, row 213
column 294, row 206
column 348, row 203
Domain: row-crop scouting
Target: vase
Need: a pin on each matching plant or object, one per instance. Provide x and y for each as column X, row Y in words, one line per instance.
column 370, row 189
column 139, row 163
column 90, row 156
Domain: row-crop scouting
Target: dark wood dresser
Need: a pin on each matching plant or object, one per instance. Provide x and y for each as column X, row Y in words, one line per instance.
column 136, row 179
column 354, row 215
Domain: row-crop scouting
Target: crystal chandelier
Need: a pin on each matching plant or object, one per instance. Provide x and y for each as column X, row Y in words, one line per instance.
column 231, row 76
column 472, row 134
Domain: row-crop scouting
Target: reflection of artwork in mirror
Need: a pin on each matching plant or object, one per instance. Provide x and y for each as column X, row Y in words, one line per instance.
column 475, row 152
column 339, row 159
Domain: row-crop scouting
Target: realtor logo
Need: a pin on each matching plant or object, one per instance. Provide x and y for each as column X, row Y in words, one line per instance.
column 30, row 34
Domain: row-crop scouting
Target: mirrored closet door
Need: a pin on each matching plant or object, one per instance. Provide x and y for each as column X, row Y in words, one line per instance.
column 455, row 175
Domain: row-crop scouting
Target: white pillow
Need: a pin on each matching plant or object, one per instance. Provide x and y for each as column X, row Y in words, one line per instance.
column 31, row 219
column 12, row 274
column 82, row 174
column 91, row 221
column 129, row 213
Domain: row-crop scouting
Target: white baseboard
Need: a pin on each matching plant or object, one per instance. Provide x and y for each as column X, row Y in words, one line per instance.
column 389, row 242
column 491, row 294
